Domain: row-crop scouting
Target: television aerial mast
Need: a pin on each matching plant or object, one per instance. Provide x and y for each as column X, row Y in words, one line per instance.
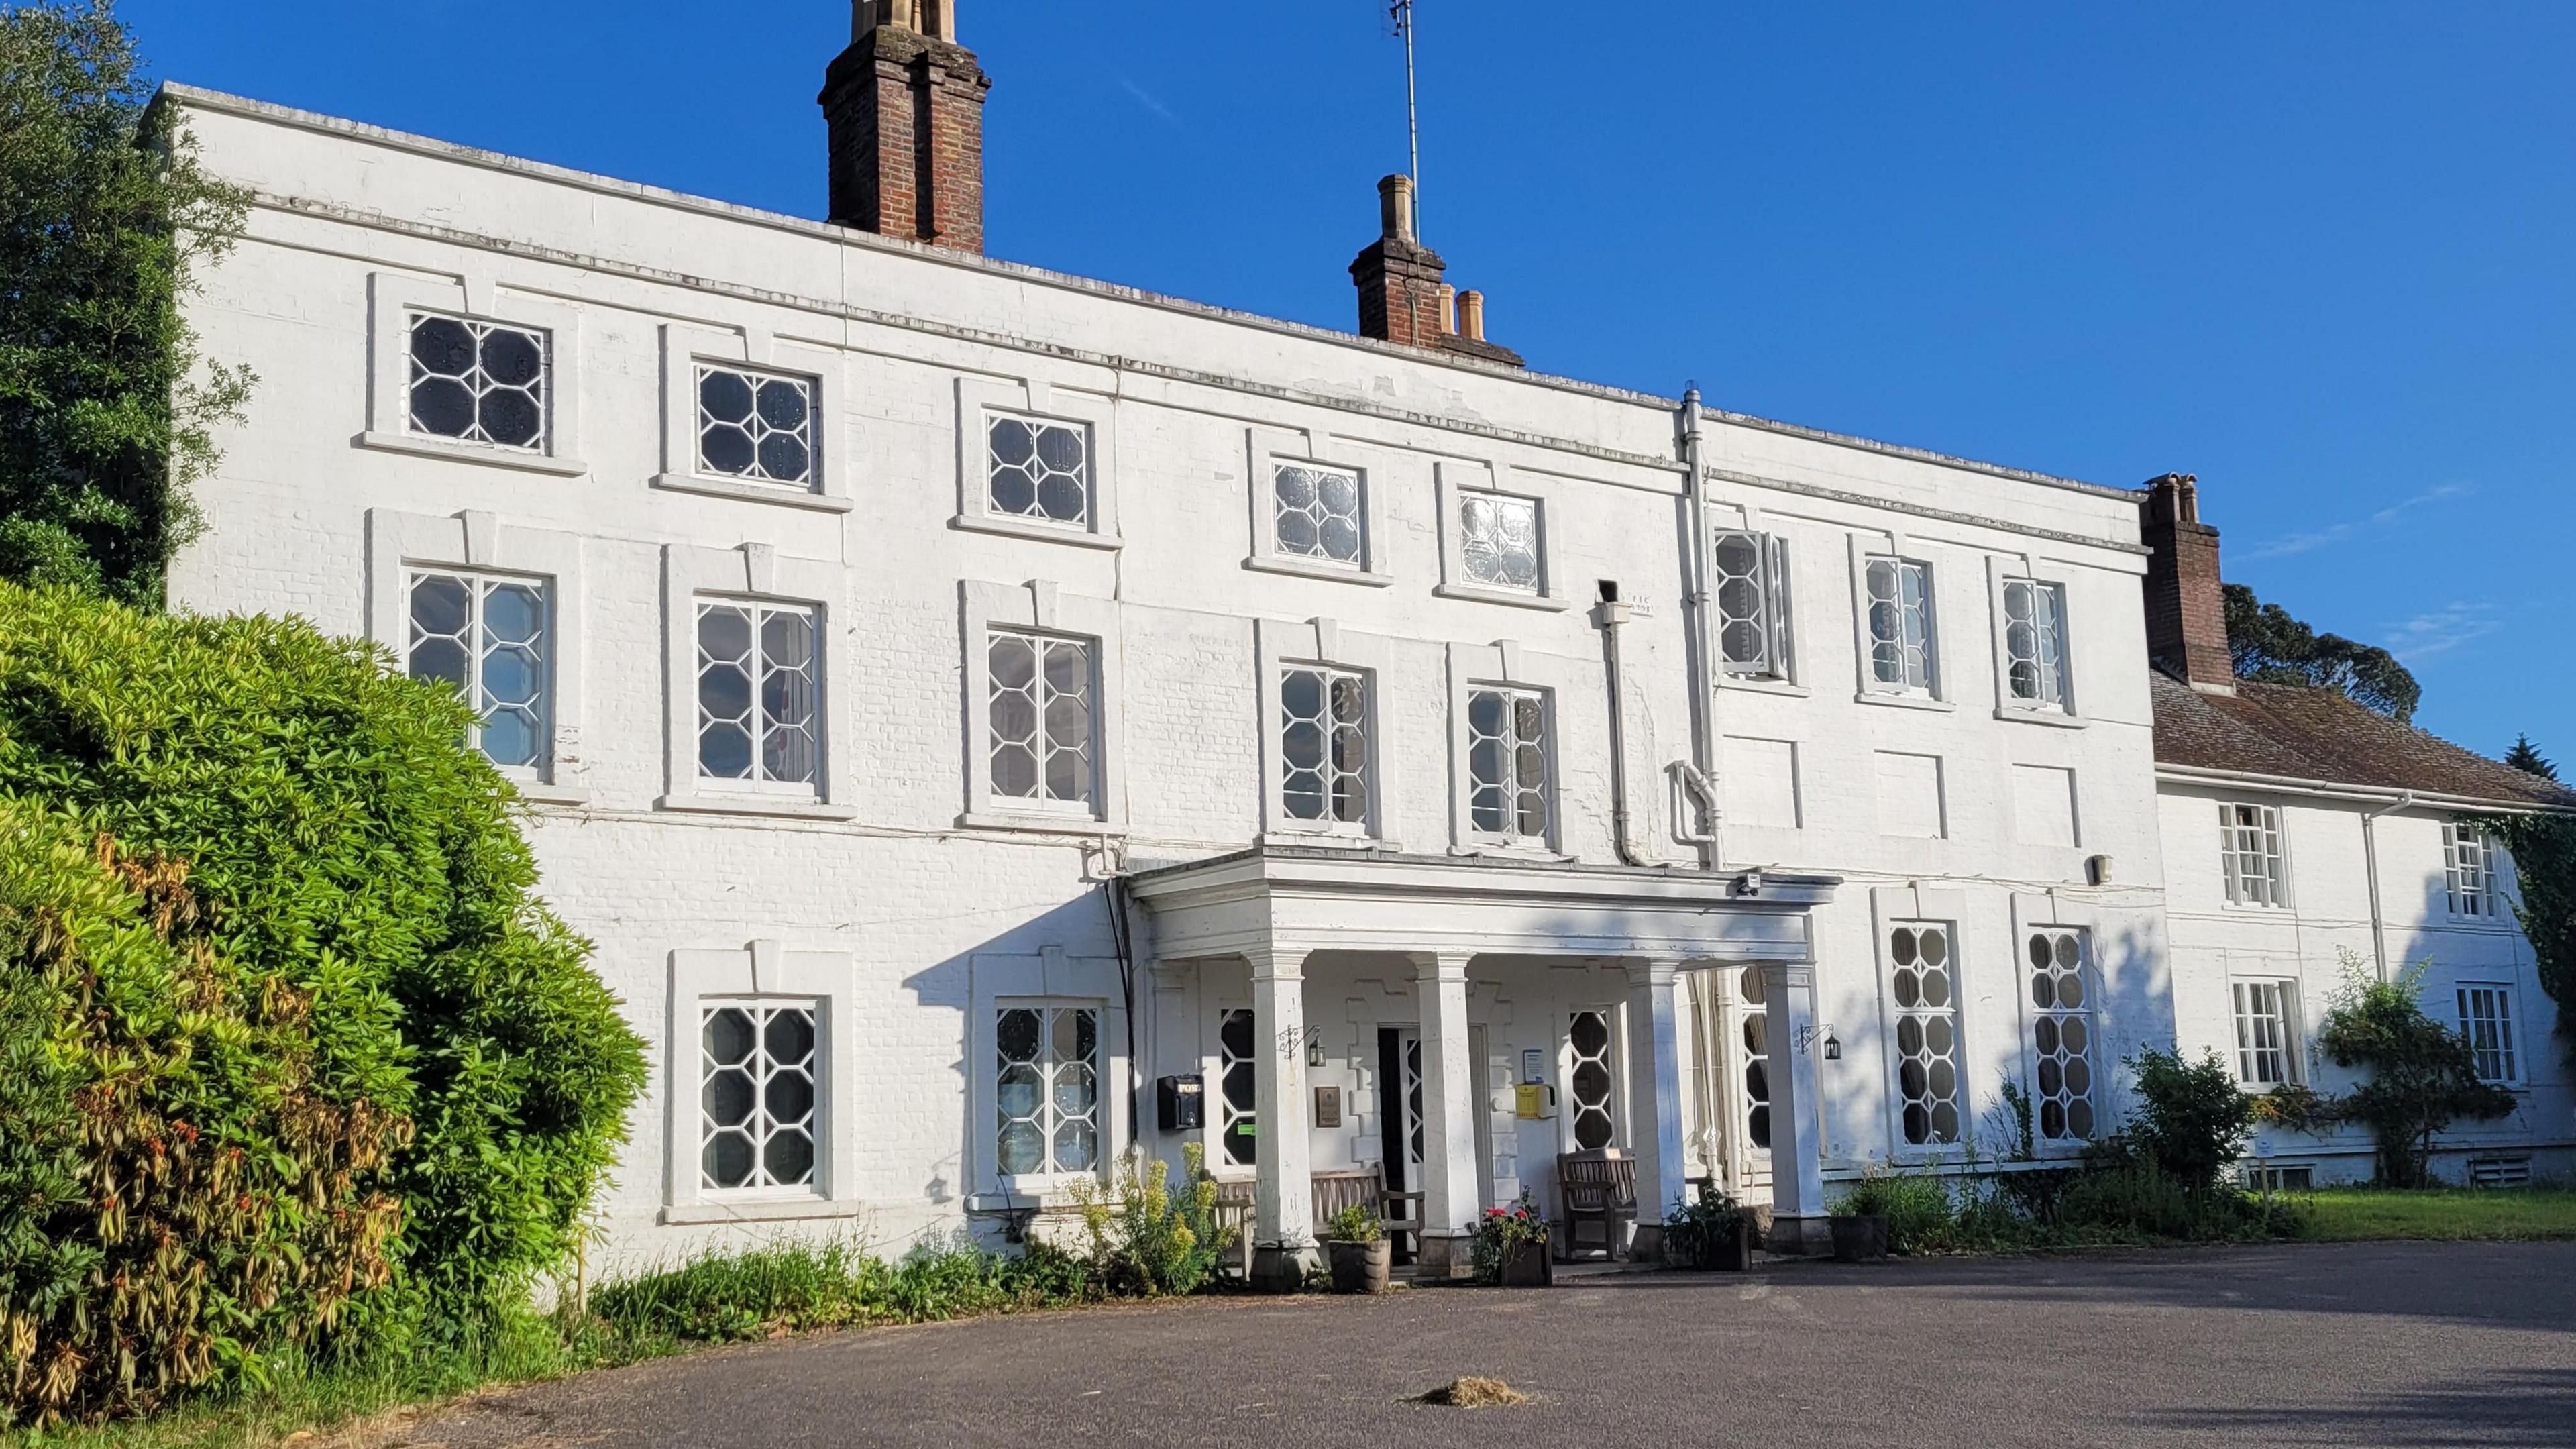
column 1401, row 12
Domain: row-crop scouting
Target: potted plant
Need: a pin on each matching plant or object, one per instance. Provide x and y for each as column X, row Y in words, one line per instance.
column 1512, row 1246
column 1357, row 1242
column 1709, row 1232
column 1859, row 1237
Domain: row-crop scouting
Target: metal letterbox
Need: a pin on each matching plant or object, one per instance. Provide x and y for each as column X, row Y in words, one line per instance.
column 1180, row 1103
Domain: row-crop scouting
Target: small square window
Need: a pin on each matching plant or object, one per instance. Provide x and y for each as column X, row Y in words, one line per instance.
column 1319, row 513
column 488, row 637
column 757, row 1095
column 1507, row 765
column 1324, row 746
column 756, row 425
column 759, row 692
column 1901, row 638
column 1040, row 470
column 1498, row 540
column 478, row 382
column 1751, row 575
column 2035, row 643
column 1040, row 714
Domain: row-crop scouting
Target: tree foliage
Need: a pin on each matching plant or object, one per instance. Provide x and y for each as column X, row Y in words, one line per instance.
column 2191, row 1119
column 2423, row 1075
column 2526, row 757
column 2543, row 849
column 2269, row 646
column 106, row 416
column 353, row 857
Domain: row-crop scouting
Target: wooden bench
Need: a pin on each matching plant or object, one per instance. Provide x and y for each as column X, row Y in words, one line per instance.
column 1600, row 1188
column 1399, row 1213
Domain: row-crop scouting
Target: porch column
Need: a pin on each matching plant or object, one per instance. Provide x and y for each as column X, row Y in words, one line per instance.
column 1798, row 1221
column 1654, row 1097
column 1449, row 1196
column 1283, row 1212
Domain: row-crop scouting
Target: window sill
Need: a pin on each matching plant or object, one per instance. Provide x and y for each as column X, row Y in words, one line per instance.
column 421, row 447
column 539, row 792
column 1504, row 850
column 2054, row 718
column 1328, row 839
column 1906, row 701
column 772, row 806
column 1754, row 684
column 777, row 493
column 1316, row 568
column 1042, row 532
column 759, row 1210
column 1035, row 823
column 1473, row 594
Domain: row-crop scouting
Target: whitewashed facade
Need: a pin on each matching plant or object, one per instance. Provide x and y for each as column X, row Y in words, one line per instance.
column 866, row 620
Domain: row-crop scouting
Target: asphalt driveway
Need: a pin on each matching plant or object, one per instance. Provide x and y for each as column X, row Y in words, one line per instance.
column 2368, row 1344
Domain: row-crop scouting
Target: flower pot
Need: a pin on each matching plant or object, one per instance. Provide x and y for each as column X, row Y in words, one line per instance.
column 1359, row 1267
column 1860, row 1239
column 1527, row 1265
column 1731, row 1251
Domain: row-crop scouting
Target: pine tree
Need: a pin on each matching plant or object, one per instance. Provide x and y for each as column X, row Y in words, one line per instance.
column 2527, row 757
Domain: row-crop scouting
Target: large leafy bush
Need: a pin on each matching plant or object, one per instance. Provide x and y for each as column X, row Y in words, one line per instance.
column 2423, row 1075
column 353, row 860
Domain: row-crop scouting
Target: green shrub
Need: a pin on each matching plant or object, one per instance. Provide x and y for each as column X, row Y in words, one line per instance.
column 178, row 1188
column 1357, row 1223
column 2423, row 1075
column 737, row 1296
column 351, row 856
column 1917, row 1206
column 2191, row 1119
column 1150, row 1240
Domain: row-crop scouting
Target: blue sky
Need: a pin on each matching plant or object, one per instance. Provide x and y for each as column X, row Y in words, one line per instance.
column 2324, row 256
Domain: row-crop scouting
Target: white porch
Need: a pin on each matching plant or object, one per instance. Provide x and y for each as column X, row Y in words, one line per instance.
column 1384, row 1012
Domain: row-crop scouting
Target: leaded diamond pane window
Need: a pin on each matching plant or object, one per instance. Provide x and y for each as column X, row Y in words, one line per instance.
column 760, row 683
column 1324, row 746
column 1238, row 1124
column 1591, row 1087
column 2266, row 1054
column 1507, row 785
column 1318, row 511
column 487, row 637
column 1046, row 1089
column 2035, row 643
column 2468, row 856
column 755, row 425
column 2061, row 1035
column 2250, row 855
column 1750, row 574
column 1041, row 718
column 1923, row 980
column 480, row 382
column 1041, row 470
column 757, row 1095
column 1498, row 541
column 1900, row 626
column 2486, row 1019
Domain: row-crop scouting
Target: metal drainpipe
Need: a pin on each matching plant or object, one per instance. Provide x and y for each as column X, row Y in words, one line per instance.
column 1703, row 643
column 1608, row 616
column 2370, row 864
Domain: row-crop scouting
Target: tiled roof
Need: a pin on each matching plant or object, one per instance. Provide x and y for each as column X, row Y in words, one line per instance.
column 2302, row 733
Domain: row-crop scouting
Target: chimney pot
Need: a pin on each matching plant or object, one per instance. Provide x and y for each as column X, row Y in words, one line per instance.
column 1448, row 309
column 1471, row 316
column 1395, row 208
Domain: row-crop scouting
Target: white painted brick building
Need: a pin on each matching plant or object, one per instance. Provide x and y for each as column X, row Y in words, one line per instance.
column 504, row 426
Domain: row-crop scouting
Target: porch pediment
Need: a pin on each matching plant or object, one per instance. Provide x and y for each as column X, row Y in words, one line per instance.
column 1327, row 899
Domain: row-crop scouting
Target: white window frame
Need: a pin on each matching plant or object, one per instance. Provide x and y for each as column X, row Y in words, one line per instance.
column 1505, row 664
column 400, row 544
column 1779, row 611
column 1865, row 550
column 1268, row 449
column 1918, row 906
column 760, row 574
column 982, row 400
column 2468, row 850
column 685, row 350
column 1052, row 977
column 1280, row 646
column 1453, row 480
column 393, row 298
column 1614, row 1058
column 1041, row 607
column 2271, row 823
column 2089, row 1010
column 2001, row 575
column 2245, row 1015
column 2508, row 1020
column 766, row 971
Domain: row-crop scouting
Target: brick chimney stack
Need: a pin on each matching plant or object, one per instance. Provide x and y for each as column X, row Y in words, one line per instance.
column 904, row 106
column 2186, row 613
column 1404, row 297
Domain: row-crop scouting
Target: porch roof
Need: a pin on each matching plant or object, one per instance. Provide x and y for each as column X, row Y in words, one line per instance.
column 1322, row 898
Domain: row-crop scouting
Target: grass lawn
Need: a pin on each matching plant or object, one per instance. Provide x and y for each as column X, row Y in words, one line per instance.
column 2350, row 1214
